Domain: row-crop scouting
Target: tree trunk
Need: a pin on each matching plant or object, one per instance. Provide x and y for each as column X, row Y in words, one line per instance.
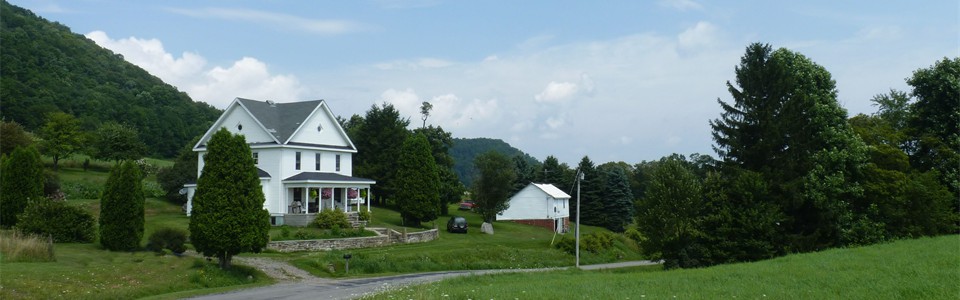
column 225, row 261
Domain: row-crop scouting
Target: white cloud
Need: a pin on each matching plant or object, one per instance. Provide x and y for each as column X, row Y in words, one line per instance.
column 318, row 26
column 556, row 91
column 555, row 122
column 682, row 5
column 700, row 35
column 247, row 77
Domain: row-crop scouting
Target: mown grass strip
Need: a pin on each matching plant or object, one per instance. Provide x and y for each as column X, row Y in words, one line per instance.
column 925, row 268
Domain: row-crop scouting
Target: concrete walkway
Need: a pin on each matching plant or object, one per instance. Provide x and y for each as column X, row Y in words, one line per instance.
column 309, row 287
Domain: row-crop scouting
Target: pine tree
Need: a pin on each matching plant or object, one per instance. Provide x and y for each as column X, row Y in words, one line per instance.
column 121, row 209
column 22, row 180
column 592, row 208
column 786, row 124
column 417, row 174
column 617, row 200
column 228, row 216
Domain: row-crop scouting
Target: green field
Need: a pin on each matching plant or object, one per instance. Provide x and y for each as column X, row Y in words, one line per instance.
column 513, row 246
column 926, row 268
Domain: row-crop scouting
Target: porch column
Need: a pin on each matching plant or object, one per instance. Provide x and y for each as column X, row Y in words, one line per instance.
column 368, row 199
column 358, row 199
column 346, row 202
column 333, row 205
column 306, row 199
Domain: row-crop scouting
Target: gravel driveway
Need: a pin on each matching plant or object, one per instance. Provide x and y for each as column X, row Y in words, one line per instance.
column 298, row 284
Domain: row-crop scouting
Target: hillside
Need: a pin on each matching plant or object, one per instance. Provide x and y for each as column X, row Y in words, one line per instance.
column 48, row 68
column 465, row 150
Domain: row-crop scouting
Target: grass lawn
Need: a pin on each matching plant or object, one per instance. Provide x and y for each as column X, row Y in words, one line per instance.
column 512, row 246
column 926, row 268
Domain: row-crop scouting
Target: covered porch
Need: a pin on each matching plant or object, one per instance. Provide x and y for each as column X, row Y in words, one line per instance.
column 308, row 193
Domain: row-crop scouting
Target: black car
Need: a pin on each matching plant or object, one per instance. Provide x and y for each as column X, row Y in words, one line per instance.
column 457, row 224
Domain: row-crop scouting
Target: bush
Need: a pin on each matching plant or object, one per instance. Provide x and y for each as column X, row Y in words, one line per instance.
column 122, row 209
column 81, row 190
column 66, row 224
column 329, row 219
column 51, row 184
column 364, row 215
column 19, row 247
column 152, row 190
column 594, row 242
column 167, row 238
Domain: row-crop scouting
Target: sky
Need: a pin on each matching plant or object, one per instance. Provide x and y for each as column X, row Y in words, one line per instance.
column 613, row 80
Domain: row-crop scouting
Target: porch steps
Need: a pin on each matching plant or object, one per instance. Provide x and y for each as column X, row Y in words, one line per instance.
column 354, row 219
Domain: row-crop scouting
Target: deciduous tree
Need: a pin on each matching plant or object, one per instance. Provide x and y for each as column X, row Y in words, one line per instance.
column 13, row 136
column 670, row 214
column 61, row 137
column 228, row 216
column 121, row 209
column 115, row 142
column 494, row 180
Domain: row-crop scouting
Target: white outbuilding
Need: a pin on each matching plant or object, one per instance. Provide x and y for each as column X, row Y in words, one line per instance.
column 541, row 205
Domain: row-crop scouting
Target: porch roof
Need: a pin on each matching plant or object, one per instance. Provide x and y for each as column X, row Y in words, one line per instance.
column 324, row 177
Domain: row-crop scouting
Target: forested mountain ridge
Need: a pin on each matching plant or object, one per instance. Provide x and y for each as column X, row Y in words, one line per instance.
column 47, row 68
column 464, row 150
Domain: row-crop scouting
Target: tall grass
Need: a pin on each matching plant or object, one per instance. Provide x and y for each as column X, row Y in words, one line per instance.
column 18, row 247
column 925, row 268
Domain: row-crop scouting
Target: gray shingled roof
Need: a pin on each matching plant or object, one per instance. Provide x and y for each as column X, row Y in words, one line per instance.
column 280, row 119
column 323, row 176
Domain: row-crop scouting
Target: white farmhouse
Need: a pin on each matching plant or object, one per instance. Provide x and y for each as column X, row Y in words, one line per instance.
column 541, row 205
column 303, row 157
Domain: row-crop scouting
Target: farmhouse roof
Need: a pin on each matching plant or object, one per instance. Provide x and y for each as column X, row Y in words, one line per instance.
column 280, row 119
column 551, row 190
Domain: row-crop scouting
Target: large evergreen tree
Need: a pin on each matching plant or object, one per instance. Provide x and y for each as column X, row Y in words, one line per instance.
column 377, row 140
column 451, row 188
column 228, row 216
column 786, row 124
column 121, row 209
column 184, row 170
column 492, row 185
column 21, row 179
column 617, row 199
column 592, row 208
column 417, row 174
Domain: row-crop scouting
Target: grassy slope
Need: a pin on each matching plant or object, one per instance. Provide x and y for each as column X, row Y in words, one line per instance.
column 85, row 271
column 512, row 246
column 927, row 268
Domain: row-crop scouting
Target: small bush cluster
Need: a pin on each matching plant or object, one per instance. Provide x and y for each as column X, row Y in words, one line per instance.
column 594, row 242
column 167, row 238
column 66, row 224
column 364, row 215
column 81, row 190
column 19, row 247
column 152, row 189
column 331, row 218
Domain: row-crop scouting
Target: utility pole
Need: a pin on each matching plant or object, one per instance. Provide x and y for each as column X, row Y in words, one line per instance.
column 579, row 179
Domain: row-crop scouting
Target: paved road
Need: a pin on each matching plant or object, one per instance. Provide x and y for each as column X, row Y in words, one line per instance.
column 320, row 288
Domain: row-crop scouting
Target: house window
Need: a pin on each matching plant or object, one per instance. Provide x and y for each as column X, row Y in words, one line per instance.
column 320, row 128
column 317, row 161
column 239, row 127
column 297, row 166
column 256, row 158
column 338, row 162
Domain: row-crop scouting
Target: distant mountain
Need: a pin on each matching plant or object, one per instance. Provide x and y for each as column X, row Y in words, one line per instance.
column 46, row 68
column 465, row 150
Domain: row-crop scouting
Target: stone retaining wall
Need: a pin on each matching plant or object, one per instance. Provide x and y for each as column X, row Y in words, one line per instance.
column 384, row 237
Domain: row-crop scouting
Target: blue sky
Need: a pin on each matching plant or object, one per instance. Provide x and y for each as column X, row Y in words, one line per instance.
column 615, row 80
